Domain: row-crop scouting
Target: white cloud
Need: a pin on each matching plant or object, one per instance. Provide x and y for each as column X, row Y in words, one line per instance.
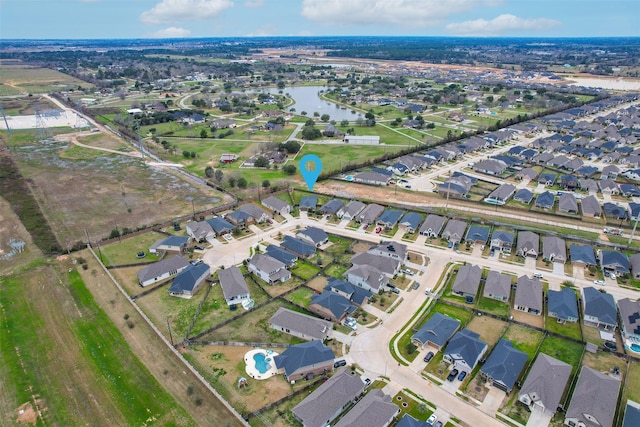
column 413, row 13
column 254, row 3
column 170, row 33
column 170, row 11
column 501, row 24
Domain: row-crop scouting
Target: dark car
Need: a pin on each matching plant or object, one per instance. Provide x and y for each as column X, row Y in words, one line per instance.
column 452, row 375
column 339, row 363
column 428, row 357
column 198, row 247
column 462, row 375
column 438, row 424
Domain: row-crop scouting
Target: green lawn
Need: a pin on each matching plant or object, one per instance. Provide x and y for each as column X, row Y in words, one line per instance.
column 632, row 387
column 301, row 296
column 571, row 330
column 339, row 245
column 524, row 339
column 567, row 351
column 336, row 270
column 305, row 270
column 124, row 251
column 493, row 306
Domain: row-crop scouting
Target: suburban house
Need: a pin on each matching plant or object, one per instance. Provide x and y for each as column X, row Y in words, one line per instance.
column 199, row 231
column 528, row 244
column 465, row 350
column 370, row 213
column 239, row 218
column 258, row 214
column 386, row 265
column 389, row 218
column 528, row 297
column 298, row 247
column 631, row 415
column 497, row 286
column 325, row 403
column 568, row 204
column 582, row 255
column 269, row 269
column 351, row 210
column 305, row 360
column 594, row 400
column 504, row 365
column 174, row 244
column 436, row 332
column 276, row 205
column 502, row 241
column 502, row 194
column 331, row 306
column 374, row 410
column 353, row 293
column 591, row 206
column 609, row 186
column 189, row 280
column 285, row 257
column 634, row 264
column 300, row 325
column 390, row 249
column 454, row 231
column 161, row 270
column 408, row 421
column 432, row 226
column 614, row 261
column 562, row 305
column 410, row 222
column 545, row 200
column 314, row 235
column 308, row 203
column 523, row 196
column 477, row 234
column 220, row 225
column 545, row 384
column 234, row 287
column 554, row 249
column 630, row 323
column 373, row 178
column 467, row 281
column 367, row 277
column 332, row 207
column 599, row 309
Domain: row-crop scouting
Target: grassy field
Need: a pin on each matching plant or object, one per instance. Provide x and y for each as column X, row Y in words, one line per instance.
column 523, row 339
column 125, row 250
column 566, row 351
column 632, row 387
column 571, row 330
column 26, row 79
column 301, row 296
column 493, row 306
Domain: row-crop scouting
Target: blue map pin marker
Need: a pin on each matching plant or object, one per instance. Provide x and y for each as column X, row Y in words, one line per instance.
column 310, row 168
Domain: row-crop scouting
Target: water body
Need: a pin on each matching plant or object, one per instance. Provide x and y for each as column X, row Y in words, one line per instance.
column 307, row 99
column 606, row 83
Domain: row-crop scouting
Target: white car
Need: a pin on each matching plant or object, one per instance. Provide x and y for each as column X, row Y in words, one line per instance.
column 599, row 282
column 432, row 419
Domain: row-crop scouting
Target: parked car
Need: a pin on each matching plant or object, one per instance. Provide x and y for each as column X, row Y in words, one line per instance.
column 416, row 286
column 428, row 357
column 378, row 230
column 438, row 424
column 452, row 375
column 599, row 282
column 407, row 271
column 367, row 382
column 198, row 247
column 612, row 275
column 538, row 275
column 396, row 291
column 339, row 363
column 462, row 375
column 432, row 419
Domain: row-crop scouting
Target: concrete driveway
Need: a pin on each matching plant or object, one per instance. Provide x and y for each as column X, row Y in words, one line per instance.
column 538, row 419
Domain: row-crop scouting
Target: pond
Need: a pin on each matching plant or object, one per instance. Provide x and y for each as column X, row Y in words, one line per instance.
column 307, row 99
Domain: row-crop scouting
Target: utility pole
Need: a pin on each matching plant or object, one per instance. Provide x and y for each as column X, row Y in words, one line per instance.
column 170, row 335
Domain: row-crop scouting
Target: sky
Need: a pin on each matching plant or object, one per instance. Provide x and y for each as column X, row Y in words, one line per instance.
column 109, row 19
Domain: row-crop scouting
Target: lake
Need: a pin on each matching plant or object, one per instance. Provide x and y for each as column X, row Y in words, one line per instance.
column 307, row 99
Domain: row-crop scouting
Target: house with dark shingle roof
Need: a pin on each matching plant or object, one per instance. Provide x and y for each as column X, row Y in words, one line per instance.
column 504, row 365
column 411, row 221
column 437, row 331
column 467, row 281
column 325, row 403
column 220, row 226
column 477, row 234
column 548, row 179
column 630, row 322
column 545, row 200
column 582, row 255
column 545, row 384
column 239, row 218
column 170, row 244
column 353, row 293
column 562, row 305
column 304, row 360
column 497, row 286
column 189, row 280
column 331, row 306
column 502, row 241
column 523, row 196
column 313, row 235
column 332, row 207
column 528, row 297
column 308, row 203
column 432, row 225
column 300, row 325
column 594, row 399
column 161, row 270
column 298, row 247
column 408, row 421
column 465, row 350
column 611, row 210
column 631, row 415
column 234, row 287
column 599, row 309
column 285, row 257
column 389, row 218
column 615, row 261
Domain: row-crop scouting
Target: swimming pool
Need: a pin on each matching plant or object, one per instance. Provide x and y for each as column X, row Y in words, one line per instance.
column 348, row 178
column 635, row 348
column 262, row 362
column 259, row 363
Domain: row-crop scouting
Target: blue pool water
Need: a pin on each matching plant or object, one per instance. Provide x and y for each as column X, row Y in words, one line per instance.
column 635, row 347
column 349, row 177
column 261, row 363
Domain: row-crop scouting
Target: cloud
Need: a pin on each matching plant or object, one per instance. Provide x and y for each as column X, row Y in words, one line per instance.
column 414, row 13
column 501, row 24
column 170, row 33
column 254, row 3
column 170, row 11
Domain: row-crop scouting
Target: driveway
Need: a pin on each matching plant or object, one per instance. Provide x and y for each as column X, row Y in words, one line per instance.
column 493, row 399
column 538, row 418
column 558, row 268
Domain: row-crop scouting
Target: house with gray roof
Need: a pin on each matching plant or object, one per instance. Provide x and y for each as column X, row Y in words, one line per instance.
column 594, row 399
column 582, row 255
column 497, row 286
column 465, row 350
column 258, row 214
column 528, row 174
column 410, row 222
column 305, row 360
column 298, row 247
column 545, row 384
column 199, row 231
column 528, row 244
column 467, row 281
column 523, row 196
column 234, row 287
column 528, row 297
column 454, row 231
column 502, row 241
column 615, row 261
column 630, row 323
column 631, row 415
column 268, row 269
column 351, row 210
column 384, row 264
column 562, row 305
column 599, row 309
column 567, row 204
column 331, row 306
column 610, row 172
column 308, row 203
column 504, row 365
column 588, row 184
column 502, row 194
column 220, row 226
column 436, row 332
column 285, row 257
column 591, row 206
column 374, row 410
column 408, row 421
column 367, row 277
column 353, row 293
column 326, row 402
column 609, row 186
column 432, row 226
column 634, row 264
column 300, row 325
column 545, row 200
column 554, row 249
column 170, row 244
column 477, row 234
column 239, row 218
column 389, row 218
column 390, row 249
column 332, row 207
column 370, row 213
column 373, row 178
column 186, row 283
column 161, row 270
column 276, row 205
column 490, row 167
column 314, row 235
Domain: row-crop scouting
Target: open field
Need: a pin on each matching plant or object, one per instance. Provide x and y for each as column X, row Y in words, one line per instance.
column 566, row 351
column 27, row 79
column 490, row 329
column 524, row 339
column 490, row 305
column 124, row 251
column 568, row 329
column 126, row 193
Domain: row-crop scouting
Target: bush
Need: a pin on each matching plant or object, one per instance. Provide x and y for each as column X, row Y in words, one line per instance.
column 289, row 169
column 411, row 348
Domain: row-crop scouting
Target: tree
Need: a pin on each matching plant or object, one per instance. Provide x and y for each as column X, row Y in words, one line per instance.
column 232, row 181
column 289, row 169
column 266, row 183
column 309, row 122
column 303, row 113
column 186, row 154
column 208, row 171
column 344, row 123
column 203, row 133
column 261, row 162
column 325, row 117
column 193, row 154
column 290, row 147
column 218, row 175
column 242, row 182
column 309, row 132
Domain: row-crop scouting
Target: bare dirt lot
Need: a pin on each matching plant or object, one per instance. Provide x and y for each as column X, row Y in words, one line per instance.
column 490, row 329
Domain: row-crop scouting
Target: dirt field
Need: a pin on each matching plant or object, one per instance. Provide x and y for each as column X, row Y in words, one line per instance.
column 529, row 319
column 490, row 329
column 12, row 228
column 317, row 283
